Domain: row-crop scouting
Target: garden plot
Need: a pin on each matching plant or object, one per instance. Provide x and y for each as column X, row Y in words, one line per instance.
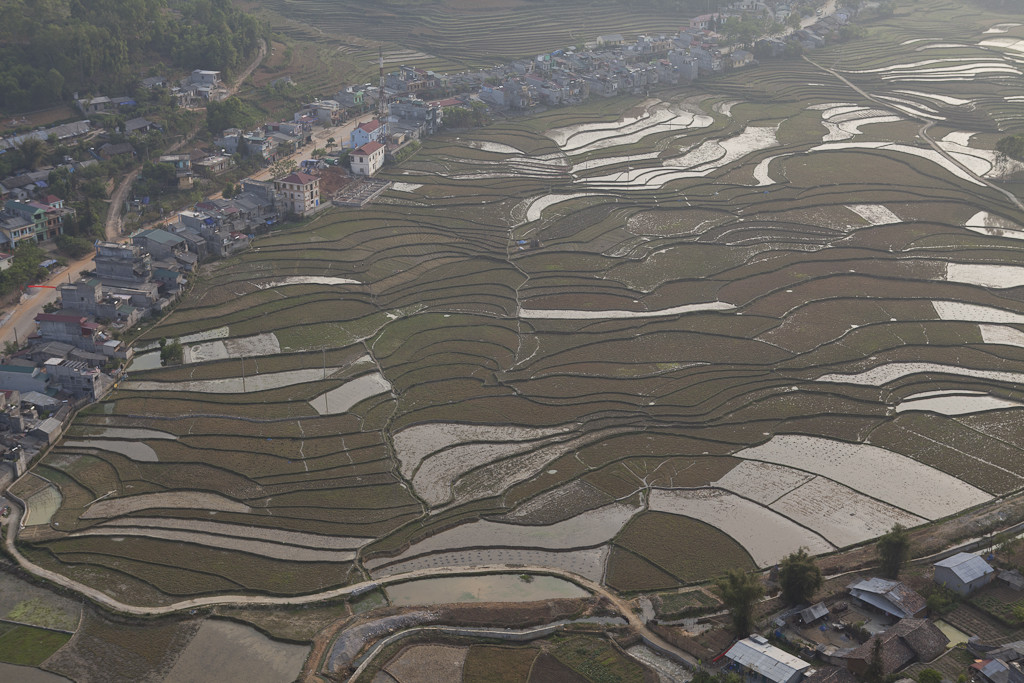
column 588, row 563
column 929, row 154
column 761, row 170
column 135, row 450
column 119, row 432
column 1000, row 28
column 874, row 214
column 42, row 505
column 953, row 402
column 611, row 161
column 587, row 530
column 954, row 310
column 228, row 651
column 536, row 206
column 889, row 372
column 556, row 314
column 884, row 475
column 844, row 122
column 413, row 444
column 840, row 514
column 275, row 551
column 589, row 137
column 761, row 482
column 428, row 664
column 405, row 187
column 498, row 477
column 436, row 475
column 1000, row 334
column 305, row 280
column 296, row 538
column 945, row 99
column 985, row 275
column 238, row 385
column 766, row 535
column 990, row 224
column 265, row 344
column 350, row 393
column 186, row 500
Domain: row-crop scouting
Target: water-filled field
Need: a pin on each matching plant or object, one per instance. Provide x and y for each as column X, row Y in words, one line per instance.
column 757, row 316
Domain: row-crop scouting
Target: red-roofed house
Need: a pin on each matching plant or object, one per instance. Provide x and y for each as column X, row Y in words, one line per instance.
column 299, row 193
column 367, row 159
column 372, row 131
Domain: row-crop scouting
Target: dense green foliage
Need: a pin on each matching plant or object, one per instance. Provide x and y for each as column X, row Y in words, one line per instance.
column 893, row 551
column 51, row 48
column 1012, row 146
column 75, row 247
column 231, row 113
column 800, row 577
column 739, row 592
column 25, row 268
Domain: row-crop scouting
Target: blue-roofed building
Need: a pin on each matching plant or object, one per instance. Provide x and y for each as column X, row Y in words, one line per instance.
column 963, row 573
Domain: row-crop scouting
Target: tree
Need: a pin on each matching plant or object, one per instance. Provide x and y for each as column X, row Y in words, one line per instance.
column 800, row 577
column 1012, row 146
column 331, row 143
column 32, row 151
column 229, row 191
column 875, row 673
column 794, row 21
column 739, row 591
column 893, row 550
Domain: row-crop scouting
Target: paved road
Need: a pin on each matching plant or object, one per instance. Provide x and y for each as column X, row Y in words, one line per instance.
column 923, row 132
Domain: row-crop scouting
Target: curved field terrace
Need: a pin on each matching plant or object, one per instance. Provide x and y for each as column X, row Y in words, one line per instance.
column 641, row 340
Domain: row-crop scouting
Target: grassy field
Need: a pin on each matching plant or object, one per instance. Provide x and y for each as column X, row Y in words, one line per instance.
column 29, row 646
column 495, row 664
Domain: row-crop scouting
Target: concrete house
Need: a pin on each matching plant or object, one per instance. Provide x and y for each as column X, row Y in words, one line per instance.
column 200, row 77
column 372, row 131
column 23, row 378
column 889, row 597
column 298, row 193
column 764, row 662
column 963, row 573
column 368, row 159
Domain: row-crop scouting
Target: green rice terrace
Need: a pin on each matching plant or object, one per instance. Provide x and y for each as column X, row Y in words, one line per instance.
column 637, row 341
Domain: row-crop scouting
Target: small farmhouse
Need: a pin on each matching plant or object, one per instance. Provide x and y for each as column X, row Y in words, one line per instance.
column 963, row 573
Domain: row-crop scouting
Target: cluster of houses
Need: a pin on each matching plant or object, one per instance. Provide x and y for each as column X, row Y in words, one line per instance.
column 29, row 219
column 894, row 615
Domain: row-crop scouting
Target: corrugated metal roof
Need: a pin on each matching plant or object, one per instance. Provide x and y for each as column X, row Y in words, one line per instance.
column 814, row 612
column 767, row 660
column 966, row 566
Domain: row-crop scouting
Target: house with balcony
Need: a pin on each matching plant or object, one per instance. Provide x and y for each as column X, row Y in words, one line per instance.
column 299, row 193
column 368, row 159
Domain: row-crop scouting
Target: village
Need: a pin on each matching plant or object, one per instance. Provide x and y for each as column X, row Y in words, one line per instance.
column 953, row 617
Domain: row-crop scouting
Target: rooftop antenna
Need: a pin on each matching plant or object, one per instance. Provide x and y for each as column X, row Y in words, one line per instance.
column 382, row 108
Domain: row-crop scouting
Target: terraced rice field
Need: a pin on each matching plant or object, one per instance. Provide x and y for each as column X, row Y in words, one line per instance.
column 783, row 322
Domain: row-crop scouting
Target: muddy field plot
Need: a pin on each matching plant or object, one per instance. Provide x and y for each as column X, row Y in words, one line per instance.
column 713, row 317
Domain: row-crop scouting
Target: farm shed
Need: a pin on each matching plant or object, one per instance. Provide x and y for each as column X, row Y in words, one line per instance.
column 1012, row 578
column 813, row 613
column 963, row 573
column 764, row 662
column 891, row 597
column 908, row 641
column 992, row 670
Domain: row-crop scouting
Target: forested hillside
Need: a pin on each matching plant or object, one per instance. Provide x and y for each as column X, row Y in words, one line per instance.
column 52, row 48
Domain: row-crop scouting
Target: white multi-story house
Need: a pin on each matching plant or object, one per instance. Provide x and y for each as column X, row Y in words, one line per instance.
column 298, row 193
column 368, row 159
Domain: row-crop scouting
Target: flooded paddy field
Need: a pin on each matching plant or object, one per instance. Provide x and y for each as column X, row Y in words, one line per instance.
column 709, row 318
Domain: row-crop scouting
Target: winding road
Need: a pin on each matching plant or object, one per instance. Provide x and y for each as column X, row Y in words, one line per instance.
column 115, row 221
column 13, row 524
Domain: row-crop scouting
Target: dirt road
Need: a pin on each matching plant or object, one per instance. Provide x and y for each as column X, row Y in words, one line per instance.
column 21, row 322
column 114, row 220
